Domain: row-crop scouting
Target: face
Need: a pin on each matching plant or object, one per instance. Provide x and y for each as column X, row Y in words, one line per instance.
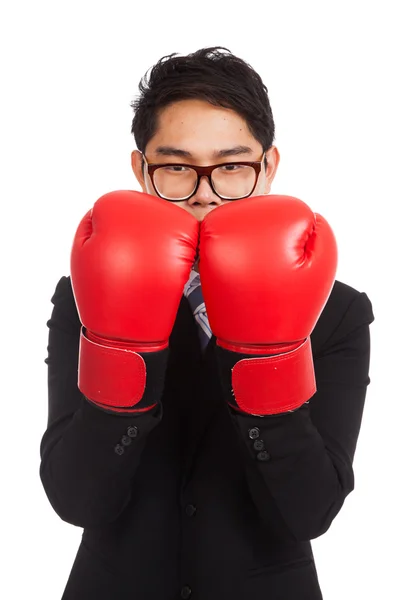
column 198, row 133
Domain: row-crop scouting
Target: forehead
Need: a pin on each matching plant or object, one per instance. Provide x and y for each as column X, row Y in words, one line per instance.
column 198, row 126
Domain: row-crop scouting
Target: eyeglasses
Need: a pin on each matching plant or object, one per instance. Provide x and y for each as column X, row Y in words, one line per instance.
column 229, row 181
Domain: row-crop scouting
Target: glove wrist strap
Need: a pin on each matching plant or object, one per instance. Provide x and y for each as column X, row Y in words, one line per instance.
column 271, row 385
column 117, row 378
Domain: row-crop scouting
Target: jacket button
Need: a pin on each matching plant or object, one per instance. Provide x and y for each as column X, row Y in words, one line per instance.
column 126, row 440
column 258, row 445
column 190, row 510
column 254, row 433
column 119, row 449
column 263, row 456
column 132, row 431
column 186, row 592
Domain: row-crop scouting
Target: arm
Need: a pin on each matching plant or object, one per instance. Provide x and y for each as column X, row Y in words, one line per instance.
column 88, row 456
column 305, row 465
column 106, row 378
column 267, row 267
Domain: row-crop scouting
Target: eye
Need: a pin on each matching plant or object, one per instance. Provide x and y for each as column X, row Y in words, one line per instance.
column 231, row 168
column 176, row 169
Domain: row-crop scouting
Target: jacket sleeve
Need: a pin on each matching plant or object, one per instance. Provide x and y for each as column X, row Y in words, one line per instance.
column 88, row 456
column 301, row 462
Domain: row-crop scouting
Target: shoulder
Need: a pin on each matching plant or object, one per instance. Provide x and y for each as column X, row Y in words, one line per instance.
column 347, row 309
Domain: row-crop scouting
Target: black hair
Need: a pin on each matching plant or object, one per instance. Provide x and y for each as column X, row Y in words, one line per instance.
column 211, row 74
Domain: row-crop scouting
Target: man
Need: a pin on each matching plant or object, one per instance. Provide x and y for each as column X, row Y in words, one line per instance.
column 210, row 434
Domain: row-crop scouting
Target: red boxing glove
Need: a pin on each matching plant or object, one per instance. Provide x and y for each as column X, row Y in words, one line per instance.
column 130, row 260
column 267, row 267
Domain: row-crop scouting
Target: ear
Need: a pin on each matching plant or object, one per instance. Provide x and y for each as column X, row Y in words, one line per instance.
column 137, row 168
column 273, row 158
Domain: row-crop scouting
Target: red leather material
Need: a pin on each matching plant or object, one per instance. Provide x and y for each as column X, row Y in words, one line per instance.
column 131, row 257
column 274, row 384
column 109, row 375
column 267, row 267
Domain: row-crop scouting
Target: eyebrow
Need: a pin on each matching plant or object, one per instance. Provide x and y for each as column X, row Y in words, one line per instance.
column 171, row 151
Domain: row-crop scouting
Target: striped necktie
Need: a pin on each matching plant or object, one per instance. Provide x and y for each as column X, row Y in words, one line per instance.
column 192, row 291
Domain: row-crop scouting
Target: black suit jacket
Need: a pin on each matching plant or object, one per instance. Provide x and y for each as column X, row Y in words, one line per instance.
column 181, row 502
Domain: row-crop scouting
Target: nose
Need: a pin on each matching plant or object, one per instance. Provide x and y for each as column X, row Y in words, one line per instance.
column 204, row 194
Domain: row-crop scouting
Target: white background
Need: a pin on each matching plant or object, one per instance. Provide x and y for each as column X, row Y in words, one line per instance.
column 69, row 71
